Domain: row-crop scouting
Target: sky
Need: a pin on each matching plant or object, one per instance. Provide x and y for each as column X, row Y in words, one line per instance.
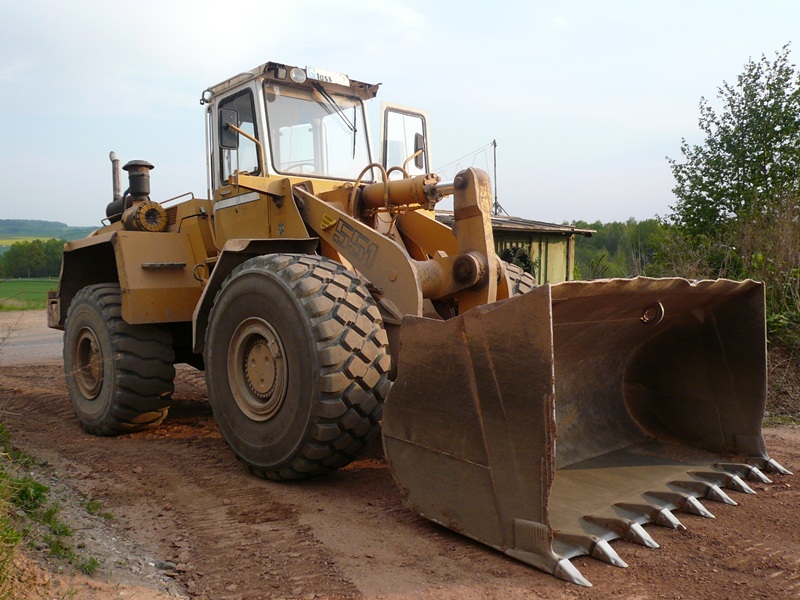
column 585, row 99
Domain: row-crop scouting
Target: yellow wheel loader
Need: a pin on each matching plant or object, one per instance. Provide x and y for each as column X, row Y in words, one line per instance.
column 327, row 305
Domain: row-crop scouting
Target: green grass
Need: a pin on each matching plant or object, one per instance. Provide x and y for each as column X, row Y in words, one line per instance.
column 86, row 564
column 781, row 419
column 25, row 294
column 25, row 493
column 11, row 452
column 50, row 517
column 24, row 509
column 10, row 538
column 93, row 507
column 16, row 493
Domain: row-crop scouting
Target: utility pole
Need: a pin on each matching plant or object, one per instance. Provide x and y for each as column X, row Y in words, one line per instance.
column 496, row 208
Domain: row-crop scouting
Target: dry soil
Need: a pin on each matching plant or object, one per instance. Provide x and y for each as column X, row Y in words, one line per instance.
column 188, row 519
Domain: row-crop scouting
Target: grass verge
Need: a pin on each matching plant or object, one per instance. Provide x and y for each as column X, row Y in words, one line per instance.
column 27, row 518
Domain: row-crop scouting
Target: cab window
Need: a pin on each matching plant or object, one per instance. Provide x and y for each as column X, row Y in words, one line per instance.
column 313, row 132
column 244, row 158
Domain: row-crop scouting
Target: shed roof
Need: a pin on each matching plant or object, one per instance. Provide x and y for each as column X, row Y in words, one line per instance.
column 508, row 223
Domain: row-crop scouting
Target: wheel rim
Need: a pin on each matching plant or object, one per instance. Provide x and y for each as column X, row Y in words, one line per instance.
column 88, row 363
column 257, row 369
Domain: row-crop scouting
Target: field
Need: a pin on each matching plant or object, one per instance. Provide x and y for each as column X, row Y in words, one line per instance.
column 25, row 294
column 13, row 240
column 5, row 243
column 15, row 231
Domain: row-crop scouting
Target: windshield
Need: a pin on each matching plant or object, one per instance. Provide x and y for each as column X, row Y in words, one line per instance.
column 313, row 132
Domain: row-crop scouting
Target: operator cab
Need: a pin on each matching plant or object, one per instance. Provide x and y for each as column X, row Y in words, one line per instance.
column 309, row 123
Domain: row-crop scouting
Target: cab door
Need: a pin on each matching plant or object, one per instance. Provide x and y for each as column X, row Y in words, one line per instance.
column 405, row 139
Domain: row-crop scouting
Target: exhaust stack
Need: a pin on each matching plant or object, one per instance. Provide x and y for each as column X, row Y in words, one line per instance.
column 115, row 175
column 116, row 207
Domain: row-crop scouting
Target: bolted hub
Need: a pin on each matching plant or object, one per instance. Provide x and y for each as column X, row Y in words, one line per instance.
column 89, row 363
column 260, row 368
column 257, row 369
column 460, row 182
column 466, row 269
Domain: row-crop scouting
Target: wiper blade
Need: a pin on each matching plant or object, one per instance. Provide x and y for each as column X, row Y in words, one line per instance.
column 351, row 125
column 331, row 102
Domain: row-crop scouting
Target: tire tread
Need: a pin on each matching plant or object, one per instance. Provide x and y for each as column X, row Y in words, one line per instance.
column 521, row 281
column 143, row 373
column 348, row 327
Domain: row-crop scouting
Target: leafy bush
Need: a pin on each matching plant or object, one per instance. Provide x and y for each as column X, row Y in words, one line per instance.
column 749, row 162
column 737, row 212
column 519, row 257
column 770, row 249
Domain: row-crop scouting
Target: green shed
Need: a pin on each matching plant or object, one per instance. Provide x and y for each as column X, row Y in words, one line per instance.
column 550, row 247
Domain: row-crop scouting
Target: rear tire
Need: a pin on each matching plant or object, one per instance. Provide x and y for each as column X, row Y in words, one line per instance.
column 119, row 376
column 521, row 281
column 297, row 365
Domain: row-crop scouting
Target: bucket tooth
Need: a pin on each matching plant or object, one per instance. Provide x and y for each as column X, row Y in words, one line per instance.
column 655, row 514
column 683, row 502
column 665, row 518
column 694, row 506
column 711, row 491
column 576, row 545
column 737, row 483
column 603, row 551
column 565, row 570
column 732, row 482
column 638, row 535
column 750, row 472
column 769, row 465
column 626, row 529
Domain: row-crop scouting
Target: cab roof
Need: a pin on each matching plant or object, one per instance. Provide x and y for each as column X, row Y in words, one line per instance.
column 311, row 77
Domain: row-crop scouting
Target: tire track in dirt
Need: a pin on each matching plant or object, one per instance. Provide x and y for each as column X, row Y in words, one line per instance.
column 179, row 492
column 179, row 485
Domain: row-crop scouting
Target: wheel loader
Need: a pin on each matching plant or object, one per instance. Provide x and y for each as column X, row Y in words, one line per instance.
column 327, row 306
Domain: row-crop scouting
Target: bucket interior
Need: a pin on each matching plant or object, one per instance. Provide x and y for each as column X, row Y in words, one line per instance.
column 653, row 379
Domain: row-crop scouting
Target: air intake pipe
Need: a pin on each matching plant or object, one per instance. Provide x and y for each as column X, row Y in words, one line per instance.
column 141, row 213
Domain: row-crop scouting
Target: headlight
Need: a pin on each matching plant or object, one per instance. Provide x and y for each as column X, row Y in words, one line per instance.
column 297, row 75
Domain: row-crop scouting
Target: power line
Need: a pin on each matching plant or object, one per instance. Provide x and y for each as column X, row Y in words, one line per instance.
column 496, row 207
column 468, row 155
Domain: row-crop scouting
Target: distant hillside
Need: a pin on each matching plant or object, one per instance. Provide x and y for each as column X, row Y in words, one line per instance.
column 26, row 229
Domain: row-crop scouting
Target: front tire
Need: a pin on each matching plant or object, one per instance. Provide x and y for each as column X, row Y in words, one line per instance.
column 296, row 365
column 119, row 376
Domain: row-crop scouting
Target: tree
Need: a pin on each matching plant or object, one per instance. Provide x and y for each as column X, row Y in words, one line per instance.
column 34, row 258
column 749, row 163
column 53, row 254
column 617, row 249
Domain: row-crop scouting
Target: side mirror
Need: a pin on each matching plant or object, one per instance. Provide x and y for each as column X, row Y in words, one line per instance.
column 419, row 144
column 228, row 137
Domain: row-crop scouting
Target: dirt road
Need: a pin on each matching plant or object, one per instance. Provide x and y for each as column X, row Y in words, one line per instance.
column 182, row 502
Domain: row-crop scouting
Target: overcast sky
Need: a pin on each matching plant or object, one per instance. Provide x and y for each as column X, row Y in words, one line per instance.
column 585, row 98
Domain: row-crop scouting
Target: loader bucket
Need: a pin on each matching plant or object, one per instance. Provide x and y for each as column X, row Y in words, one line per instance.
column 551, row 423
